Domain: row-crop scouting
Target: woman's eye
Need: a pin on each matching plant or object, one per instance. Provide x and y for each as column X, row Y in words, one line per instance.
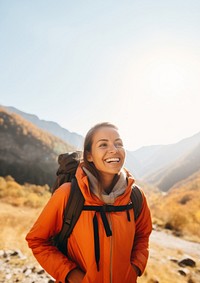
column 103, row 145
column 119, row 144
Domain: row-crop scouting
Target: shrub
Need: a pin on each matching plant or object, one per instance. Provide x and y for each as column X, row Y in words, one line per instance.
column 185, row 199
column 33, row 201
column 19, row 195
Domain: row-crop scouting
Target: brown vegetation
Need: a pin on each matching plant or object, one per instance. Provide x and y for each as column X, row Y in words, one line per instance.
column 23, row 195
column 28, row 153
column 179, row 209
column 20, row 127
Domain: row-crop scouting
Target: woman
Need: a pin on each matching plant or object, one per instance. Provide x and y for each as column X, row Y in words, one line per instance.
column 102, row 180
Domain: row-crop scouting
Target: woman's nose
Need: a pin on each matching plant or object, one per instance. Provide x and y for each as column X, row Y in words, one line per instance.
column 112, row 148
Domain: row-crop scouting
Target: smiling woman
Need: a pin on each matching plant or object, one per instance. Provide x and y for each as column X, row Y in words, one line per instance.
column 118, row 241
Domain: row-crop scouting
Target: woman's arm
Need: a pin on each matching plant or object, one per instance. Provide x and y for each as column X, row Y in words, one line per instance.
column 48, row 225
column 140, row 251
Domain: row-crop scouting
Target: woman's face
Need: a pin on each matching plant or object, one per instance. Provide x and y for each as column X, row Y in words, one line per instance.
column 107, row 151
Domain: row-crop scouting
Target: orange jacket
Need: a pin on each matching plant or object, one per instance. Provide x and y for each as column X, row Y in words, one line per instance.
column 127, row 245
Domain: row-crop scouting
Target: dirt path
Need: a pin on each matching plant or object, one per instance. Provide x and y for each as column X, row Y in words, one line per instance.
column 169, row 241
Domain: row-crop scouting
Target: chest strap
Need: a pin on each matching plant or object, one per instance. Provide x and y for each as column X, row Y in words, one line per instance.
column 107, row 208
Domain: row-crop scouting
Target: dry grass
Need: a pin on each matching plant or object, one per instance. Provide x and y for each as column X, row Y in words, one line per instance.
column 23, row 195
column 179, row 209
column 162, row 269
column 19, row 207
column 15, row 222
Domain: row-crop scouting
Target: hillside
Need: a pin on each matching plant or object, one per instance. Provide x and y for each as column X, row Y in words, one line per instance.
column 27, row 153
column 53, row 128
column 179, row 209
column 177, row 171
column 151, row 159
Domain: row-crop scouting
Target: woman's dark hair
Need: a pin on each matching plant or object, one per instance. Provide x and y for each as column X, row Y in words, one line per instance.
column 88, row 145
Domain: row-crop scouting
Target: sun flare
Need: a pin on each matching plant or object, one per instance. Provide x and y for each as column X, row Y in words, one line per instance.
column 165, row 78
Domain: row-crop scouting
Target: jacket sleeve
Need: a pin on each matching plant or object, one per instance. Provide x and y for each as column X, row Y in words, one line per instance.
column 143, row 229
column 47, row 225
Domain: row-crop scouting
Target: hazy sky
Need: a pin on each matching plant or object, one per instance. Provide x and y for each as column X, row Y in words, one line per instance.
column 133, row 63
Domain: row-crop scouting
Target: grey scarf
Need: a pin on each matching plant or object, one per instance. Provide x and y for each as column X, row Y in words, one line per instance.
column 117, row 190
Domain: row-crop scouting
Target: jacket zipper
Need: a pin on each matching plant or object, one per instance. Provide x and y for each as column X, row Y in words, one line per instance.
column 111, row 247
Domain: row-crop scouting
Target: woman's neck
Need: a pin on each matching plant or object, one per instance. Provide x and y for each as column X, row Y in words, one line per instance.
column 108, row 182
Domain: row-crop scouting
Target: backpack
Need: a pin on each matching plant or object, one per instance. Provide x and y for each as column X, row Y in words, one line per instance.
column 68, row 163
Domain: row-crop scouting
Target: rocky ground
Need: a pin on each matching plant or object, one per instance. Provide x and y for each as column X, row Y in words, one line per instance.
column 172, row 260
column 169, row 265
column 15, row 267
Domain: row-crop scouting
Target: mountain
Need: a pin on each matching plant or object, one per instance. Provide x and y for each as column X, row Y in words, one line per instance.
column 150, row 160
column 28, row 153
column 160, row 165
column 70, row 138
column 181, row 169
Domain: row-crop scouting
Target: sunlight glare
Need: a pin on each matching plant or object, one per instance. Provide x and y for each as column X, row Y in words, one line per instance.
column 165, row 79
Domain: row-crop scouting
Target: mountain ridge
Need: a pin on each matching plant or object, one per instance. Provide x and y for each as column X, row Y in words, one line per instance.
column 149, row 163
column 54, row 128
column 162, row 155
column 28, row 153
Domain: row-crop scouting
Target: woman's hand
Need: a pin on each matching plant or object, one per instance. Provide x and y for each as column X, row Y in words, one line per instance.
column 75, row 276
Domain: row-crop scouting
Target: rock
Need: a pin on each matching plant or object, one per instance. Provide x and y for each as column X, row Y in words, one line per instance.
column 173, row 259
column 184, row 271
column 153, row 280
column 14, row 268
column 41, row 271
column 188, row 261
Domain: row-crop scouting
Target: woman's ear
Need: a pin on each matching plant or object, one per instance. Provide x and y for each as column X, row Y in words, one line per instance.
column 89, row 157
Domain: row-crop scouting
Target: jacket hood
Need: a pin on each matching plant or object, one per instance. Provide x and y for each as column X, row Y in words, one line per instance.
column 89, row 186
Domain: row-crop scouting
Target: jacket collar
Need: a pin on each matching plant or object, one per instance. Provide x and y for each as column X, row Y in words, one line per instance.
column 117, row 190
column 89, row 186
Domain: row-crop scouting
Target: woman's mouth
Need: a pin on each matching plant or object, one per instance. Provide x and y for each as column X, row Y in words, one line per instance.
column 110, row 160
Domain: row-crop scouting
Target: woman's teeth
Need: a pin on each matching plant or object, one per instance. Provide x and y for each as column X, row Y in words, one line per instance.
column 109, row 160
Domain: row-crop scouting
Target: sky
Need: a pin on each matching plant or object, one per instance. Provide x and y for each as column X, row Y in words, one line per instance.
column 133, row 63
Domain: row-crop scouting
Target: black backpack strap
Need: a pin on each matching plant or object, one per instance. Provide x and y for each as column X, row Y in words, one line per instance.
column 107, row 207
column 137, row 199
column 71, row 214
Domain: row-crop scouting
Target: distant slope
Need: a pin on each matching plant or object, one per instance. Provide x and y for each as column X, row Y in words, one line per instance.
column 149, row 160
column 74, row 139
column 177, row 171
column 26, row 152
column 132, row 163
